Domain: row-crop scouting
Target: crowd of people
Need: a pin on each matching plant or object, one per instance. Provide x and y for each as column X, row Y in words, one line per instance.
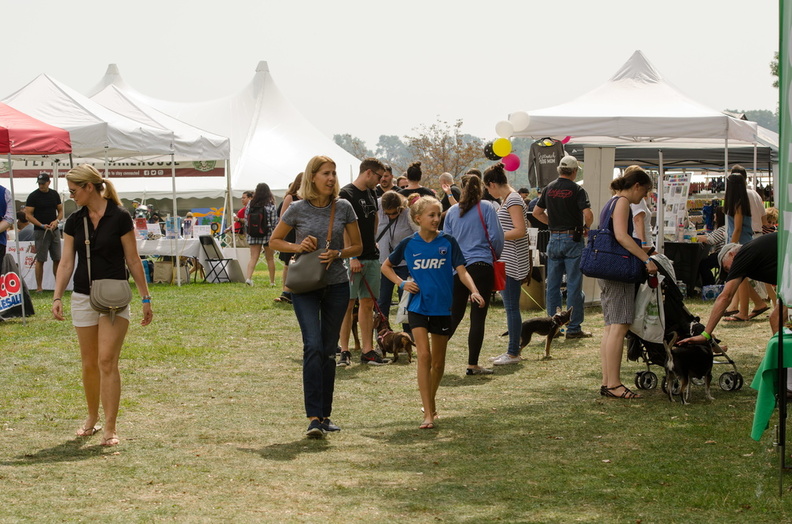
column 377, row 233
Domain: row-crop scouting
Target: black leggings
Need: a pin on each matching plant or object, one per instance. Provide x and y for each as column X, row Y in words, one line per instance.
column 483, row 277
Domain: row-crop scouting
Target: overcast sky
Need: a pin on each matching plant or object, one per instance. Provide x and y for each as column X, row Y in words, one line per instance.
column 385, row 67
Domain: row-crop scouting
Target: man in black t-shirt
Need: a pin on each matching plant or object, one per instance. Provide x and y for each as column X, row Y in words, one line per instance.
column 564, row 206
column 45, row 210
column 360, row 193
column 386, row 182
column 757, row 259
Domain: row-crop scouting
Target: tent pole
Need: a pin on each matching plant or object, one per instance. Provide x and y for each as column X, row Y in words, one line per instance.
column 175, row 212
column 755, row 170
column 660, row 203
column 726, row 157
column 16, row 237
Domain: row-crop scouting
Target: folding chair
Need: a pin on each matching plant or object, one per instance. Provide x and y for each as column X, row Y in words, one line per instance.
column 217, row 265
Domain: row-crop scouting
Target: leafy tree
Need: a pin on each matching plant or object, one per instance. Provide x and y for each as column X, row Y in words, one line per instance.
column 393, row 150
column 774, row 69
column 353, row 145
column 442, row 147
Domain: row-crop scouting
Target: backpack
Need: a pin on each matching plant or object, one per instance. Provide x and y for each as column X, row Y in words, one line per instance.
column 257, row 224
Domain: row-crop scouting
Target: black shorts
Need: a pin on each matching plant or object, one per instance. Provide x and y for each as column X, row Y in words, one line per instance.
column 438, row 325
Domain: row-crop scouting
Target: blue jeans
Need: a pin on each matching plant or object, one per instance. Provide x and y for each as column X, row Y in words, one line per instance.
column 320, row 314
column 563, row 256
column 386, row 289
column 511, row 303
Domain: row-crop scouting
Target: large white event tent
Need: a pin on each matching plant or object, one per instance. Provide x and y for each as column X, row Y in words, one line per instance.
column 270, row 140
column 96, row 132
column 636, row 105
column 189, row 144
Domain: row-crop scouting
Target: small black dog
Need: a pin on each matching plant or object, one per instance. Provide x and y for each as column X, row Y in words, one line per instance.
column 547, row 326
column 684, row 363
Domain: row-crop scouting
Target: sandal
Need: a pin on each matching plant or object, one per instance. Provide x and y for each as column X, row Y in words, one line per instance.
column 110, row 441
column 756, row 312
column 734, row 318
column 628, row 394
column 88, row 432
column 731, row 312
column 426, row 425
column 285, row 298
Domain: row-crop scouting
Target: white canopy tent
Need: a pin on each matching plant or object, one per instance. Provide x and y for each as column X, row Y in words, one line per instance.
column 635, row 106
column 270, row 140
column 96, row 132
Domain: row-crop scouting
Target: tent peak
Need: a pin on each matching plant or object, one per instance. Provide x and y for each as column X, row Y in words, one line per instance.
column 112, row 69
column 262, row 67
column 639, row 69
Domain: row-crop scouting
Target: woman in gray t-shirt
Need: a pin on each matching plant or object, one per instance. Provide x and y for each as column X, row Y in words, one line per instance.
column 320, row 312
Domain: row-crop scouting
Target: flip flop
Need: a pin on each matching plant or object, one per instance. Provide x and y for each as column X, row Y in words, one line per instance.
column 110, row 441
column 734, row 319
column 756, row 312
column 426, row 425
column 88, row 432
column 730, row 313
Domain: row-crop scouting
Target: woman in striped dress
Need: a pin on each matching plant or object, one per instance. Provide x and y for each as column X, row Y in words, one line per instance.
column 516, row 254
column 617, row 297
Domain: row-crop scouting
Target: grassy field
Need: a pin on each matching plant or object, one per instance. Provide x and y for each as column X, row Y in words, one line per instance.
column 212, row 425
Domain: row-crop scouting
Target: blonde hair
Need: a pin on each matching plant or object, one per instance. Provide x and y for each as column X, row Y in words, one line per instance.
column 85, row 174
column 307, row 187
column 772, row 214
column 420, row 205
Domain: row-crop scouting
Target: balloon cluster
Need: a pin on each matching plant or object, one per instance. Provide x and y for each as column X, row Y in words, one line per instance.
column 501, row 148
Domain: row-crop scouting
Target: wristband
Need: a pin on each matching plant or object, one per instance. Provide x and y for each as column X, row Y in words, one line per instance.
column 339, row 254
column 353, row 258
column 706, row 335
column 401, row 286
column 56, row 300
column 146, row 301
column 647, row 261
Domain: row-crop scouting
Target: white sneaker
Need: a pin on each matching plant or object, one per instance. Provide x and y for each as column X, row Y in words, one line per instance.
column 493, row 359
column 506, row 359
column 249, row 282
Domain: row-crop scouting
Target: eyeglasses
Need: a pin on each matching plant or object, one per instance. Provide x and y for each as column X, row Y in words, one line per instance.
column 392, row 213
column 72, row 191
column 379, row 175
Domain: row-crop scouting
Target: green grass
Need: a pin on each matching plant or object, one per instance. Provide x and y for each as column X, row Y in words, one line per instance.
column 212, row 429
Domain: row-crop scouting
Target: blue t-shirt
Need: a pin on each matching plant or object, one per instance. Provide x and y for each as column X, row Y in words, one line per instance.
column 431, row 265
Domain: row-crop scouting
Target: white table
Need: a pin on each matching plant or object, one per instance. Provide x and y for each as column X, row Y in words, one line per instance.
column 188, row 247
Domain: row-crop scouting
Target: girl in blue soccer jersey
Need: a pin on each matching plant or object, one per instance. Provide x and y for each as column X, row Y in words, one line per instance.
column 432, row 256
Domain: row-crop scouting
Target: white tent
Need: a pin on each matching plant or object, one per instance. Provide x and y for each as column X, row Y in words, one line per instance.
column 270, row 140
column 636, row 105
column 189, row 144
column 96, row 132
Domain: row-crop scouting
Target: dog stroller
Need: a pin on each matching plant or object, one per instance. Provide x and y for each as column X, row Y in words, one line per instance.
column 674, row 318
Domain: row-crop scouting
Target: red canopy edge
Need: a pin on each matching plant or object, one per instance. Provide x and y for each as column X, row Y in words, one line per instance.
column 21, row 134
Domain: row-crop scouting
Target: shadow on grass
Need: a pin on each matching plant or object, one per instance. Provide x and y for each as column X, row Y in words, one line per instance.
column 291, row 450
column 69, row 451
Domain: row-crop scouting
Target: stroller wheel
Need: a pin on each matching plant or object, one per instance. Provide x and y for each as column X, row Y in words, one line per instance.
column 730, row 381
column 645, row 380
column 674, row 387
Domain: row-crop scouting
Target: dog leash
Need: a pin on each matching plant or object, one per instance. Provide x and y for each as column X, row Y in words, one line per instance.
column 371, row 294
